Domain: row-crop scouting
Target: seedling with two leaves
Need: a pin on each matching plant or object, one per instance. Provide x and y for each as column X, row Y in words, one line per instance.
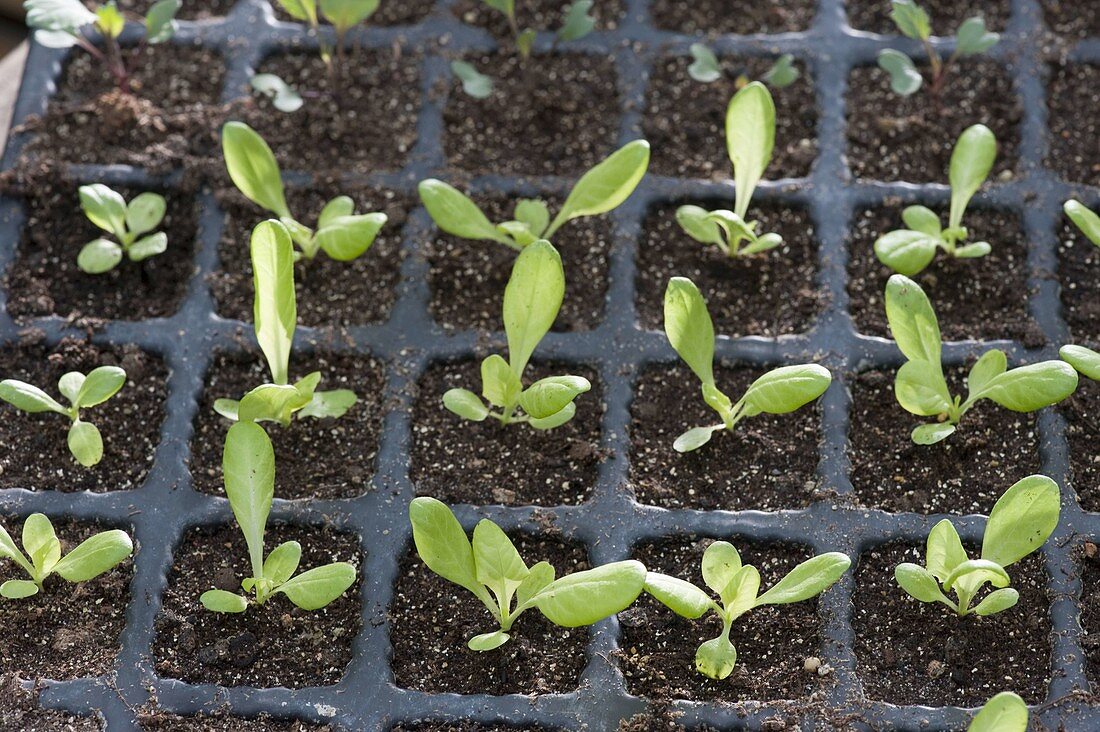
column 1021, row 521
column 1005, row 712
column 909, row 251
column 130, row 223
column 706, row 68
column 248, row 464
column 600, row 190
column 738, row 587
column 82, row 391
column 492, row 569
column 691, row 333
column 531, row 303
column 1085, row 219
column 920, row 386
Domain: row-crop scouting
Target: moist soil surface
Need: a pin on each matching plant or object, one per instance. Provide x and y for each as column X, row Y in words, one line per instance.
column 552, row 115
column 402, row 12
column 732, row 16
column 36, row 454
column 769, row 462
column 467, row 277
column 274, row 644
column 1072, row 19
column 965, row 473
column 191, row 10
column 318, row 458
column 20, row 712
column 769, row 294
column 68, row 630
column 658, row 647
column 45, row 279
column 458, row 461
column 164, row 722
column 541, row 15
column 1082, row 414
column 910, row 652
column 685, row 119
column 431, row 619
column 983, row 299
column 896, row 138
column 874, row 16
column 463, row 726
column 1088, row 557
column 330, row 293
column 1073, row 114
column 1079, row 276
column 172, row 116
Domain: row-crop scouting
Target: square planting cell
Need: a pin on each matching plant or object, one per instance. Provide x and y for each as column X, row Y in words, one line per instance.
column 739, row 16
column 946, row 16
column 1073, row 111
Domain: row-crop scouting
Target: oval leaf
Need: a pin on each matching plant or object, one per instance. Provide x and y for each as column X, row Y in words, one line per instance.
column 1021, row 520
column 532, row 299
column 28, row 398
column 1032, row 387
column 100, row 385
column 442, row 544
column 689, row 328
column 918, row 582
column 220, row 601
column 85, row 443
column 750, row 138
column 17, row 589
column 787, row 388
column 606, row 185
column 1087, row 221
column 99, row 256
column 906, row 252
column 808, row 579
column 95, row 555
column 465, row 404
column 147, row 210
column 275, row 307
column 319, row 586
column 252, row 167
column 488, row 641
column 1085, row 360
column 347, row 237
column 971, row 161
column 716, row 658
column 583, row 598
column 248, row 467
column 549, row 396
column 1006, row 712
column 679, row 596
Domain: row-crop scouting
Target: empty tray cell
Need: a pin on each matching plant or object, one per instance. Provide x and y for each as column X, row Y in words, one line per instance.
column 743, row 17
column 1079, row 277
column 1082, row 414
column 1073, row 113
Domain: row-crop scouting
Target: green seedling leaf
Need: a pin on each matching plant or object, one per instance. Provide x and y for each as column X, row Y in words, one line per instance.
column 554, row 420
column 750, row 139
column 904, row 77
column 782, row 73
column 992, row 364
column 973, row 251
column 1022, row 520
column 275, row 310
column 532, row 299
column 716, row 658
column 146, row 211
column 721, row 563
column 808, row 579
column 28, row 398
column 345, row 238
column 40, row 542
column 282, row 563
column 104, row 207
column 109, row 20
column 465, row 404
column 699, row 225
column 18, row 589
column 689, row 328
column 913, row 322
column 911, row 19
column 534, row 215
column 906, row 252
column 997, row 601
column 300, row 10
column 583, row 598
column 943, row 550
column 680, row 596
column 706, row 67
column 85, row 443
column 547, row 397
column 346, row 14
column 922, row 219
column 919, row 583
column 497, row 564
column 252, row 168
column 315, row 588
column 488, row 641
column 160, row 21
column 787, row 388
column 973, row 38
column 442, row 544
column 930, row 434
column 248, row 467
column 525, row 41
column 1032, row 387
column 283, row 96
column 500, row 384
column 455, row 213
column 330, row 404
column 69, row 385
column 67, row 16
column 474, row 83
column 578, row 21
column 149, row 246
column 99, row 256
column 94, row 556
column 538, row 578
column 971, row 161
column 605, row 186
column 1006, row 712
column 1085, row 220
column 220, row 601
column 696, row 437
column 1085, row 360
column 100, row 385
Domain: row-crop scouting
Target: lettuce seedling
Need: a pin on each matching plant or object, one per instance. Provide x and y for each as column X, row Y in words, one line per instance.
column 65, row 23
column 738, row 587
column 531, row 303
column 492, row 569
column 908, row 251
column 577, row 23
column 1021, row 521
column 130, row 223
column 750, row 139
column 691, row 333
column 275, row 312
column 342, row 15
column 82, row 391
column 91, row 558
column 248, row 464
column 600, row 190
column 341, row 233
column 1085, row 360
column 706, row 68
column 920, row 386
column 1006, row 712
column 474, row 83
column 971, row 39
column 1085, row 219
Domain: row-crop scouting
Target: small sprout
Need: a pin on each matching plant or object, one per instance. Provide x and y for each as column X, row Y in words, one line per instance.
column 248, row 464
column 1021, row 521
column 691, row 333
column 284, row 97
column 343, row 15
column 706, row 68
column 908, row 251
column 1006, row 712
column 600, row 190
column 82, row 391
column 578, row 22
column 1085, row 360
column 494, row 572
column 921, row 388
column 750, row 138
column 524, row 39
column 341, row 233
column 1085, row 219
column 94, row 556
column 474, row 83
column 738, row 587
column 130, row 223
column 782, row 73
column 531, row 303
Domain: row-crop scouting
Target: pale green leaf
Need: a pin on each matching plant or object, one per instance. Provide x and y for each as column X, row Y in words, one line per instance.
column 454, row 212
column 787, row 388
column 248, row 467
column 911, row 19
column 1032, row 387
column 95, row 555
column 17, row 589
column 680, row 596
column 314, row 589
column 904, row 77
column 28, row 398
column 606, row 185
column 997, row 601
column 971, row 161
column 149, row 246
column 549, row 396
column 943, row 550
column 705, row 67
column 99, row 256
column 992, row 364
column 918, row 583
column 1086, row 220
column 160, row 21
column 252, row 167
column 474, row 83
column 583, row 598
column 689, row 328
column 85, row 443
column 275, row 309
column 147, row 210
column 720, row 565
column 104, row 207
column 808, row 579
column 488, row 641
column 532, row 299
column 750, row 138
column 1085, row 360
column 782, row 73
column 99, row 385
column 1006, row 712
column 930, row 434
column 696, row 437
column 465, row 404
column 578, row 21
column 906, row 252
column 221, row 601
column 443, row 545
column 282, row 563
column 346, row 237
column 331, row 404
column 497, row 564
column 973, row 38
column 716, row 658
column 1022, row 520
column 499, row 384
column 346, row 14
column 283, row 96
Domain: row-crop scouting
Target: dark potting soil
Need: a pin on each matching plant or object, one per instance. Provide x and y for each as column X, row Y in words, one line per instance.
column 464, row 726
column 896, row 138
column 1088, row 560
column 774, row 293
column 400, row 12
column 910, row 652
column 68, row 630
column 45, row 280
column 541, row 15
column 156, row 721
column 467, row 278
column 330, row 293
column 874, row 16
column 769, row 462
column 773, row 642
column 966, row 473
column 685, row 120
column 275, row 644
column 1083, row 435
column 318, row 458
column 1079, row 276
column 984, row 299
column 732, row 16
column 554, row 114
column 365, row 124
column 36, row 455
column 190, row 10
column 458, row 461
column 1073, row 114
column 20, row 711
column 1072, row 19
column 173, row 115
column 431, row 620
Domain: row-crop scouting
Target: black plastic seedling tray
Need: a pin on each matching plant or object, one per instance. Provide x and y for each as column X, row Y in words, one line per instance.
column 610, row 522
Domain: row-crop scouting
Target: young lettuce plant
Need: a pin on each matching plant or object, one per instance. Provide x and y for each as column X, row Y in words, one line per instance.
column 600, row 190
column 130, row 223
column 691, row 333
column 920, row 386
column 738, row 588
column 343, row 15
column 750, row 139
column 1005, row 712
column 1021, row 521
column 1085, row 360
column 341, row 233
column 82, row 391
column 706, row 68
column 91, row 558
column 492, row 569
column 531, row 303
column 578, row 23
column 1085, row 219
column 908, row 251
column 248, row 464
